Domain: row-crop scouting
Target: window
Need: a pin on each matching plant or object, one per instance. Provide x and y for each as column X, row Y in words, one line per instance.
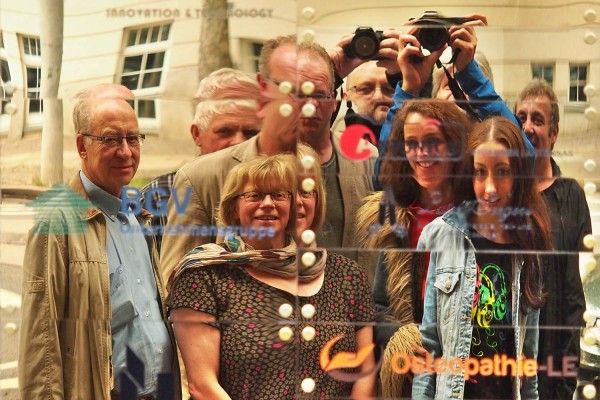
column 143, row 108
column 256, row 48
column 143, row 65
column 543, row 71
column 32, row 59
column 31, row 46
column 577, row 81
column 249, row 54
column 5, row 97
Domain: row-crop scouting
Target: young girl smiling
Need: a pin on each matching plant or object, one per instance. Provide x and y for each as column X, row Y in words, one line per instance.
column 483, row 288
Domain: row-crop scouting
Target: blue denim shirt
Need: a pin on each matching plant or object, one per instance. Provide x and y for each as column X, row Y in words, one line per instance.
column 447, row 326
column 137, row 320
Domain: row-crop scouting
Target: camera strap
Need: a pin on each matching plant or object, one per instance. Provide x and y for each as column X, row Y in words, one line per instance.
column 457, row 92
column 353, row 118
column 337, row 107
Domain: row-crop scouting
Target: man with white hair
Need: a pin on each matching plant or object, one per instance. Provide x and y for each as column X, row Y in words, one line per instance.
column 225, row 116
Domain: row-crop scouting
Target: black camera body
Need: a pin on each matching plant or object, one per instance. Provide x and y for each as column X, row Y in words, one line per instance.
column 434, row 31
column 365, row 43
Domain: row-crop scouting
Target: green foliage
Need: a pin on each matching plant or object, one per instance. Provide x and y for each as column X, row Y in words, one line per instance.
column 37, row 181
column 139, row 182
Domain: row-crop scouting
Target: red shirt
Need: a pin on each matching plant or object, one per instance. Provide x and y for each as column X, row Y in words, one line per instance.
column 420, row 217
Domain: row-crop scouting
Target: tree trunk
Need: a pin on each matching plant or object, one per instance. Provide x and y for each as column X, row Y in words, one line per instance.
column 51, row 40
column 214, row 38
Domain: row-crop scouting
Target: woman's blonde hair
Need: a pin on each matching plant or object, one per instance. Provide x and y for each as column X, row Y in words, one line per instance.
column 266, row 173
column 304, row 150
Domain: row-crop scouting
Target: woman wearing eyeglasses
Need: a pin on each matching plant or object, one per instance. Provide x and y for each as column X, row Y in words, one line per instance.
column 252, row 321
column 425, row 153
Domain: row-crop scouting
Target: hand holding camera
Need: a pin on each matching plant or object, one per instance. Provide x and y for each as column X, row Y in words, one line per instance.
column 463, row 41
column 435, row 33
column 342, row 63
column 432, row 32
column 364, row 45
column 415, row 66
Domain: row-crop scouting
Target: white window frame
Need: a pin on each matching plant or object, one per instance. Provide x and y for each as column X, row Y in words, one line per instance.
column 578, row 83
column 249, row 60
column 143, row 49
column 31, row 61
column 4, row 117
column 543, row 66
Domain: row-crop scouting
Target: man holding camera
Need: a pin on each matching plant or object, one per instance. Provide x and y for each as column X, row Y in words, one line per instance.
column 368, row 89
column 282, row 59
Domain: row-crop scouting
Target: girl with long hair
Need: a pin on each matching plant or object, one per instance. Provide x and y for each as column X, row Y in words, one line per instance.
column 421, row 175
column 483, row 289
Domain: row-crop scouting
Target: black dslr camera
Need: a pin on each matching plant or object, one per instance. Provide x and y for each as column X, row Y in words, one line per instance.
column 365, row 43
column 434, row 31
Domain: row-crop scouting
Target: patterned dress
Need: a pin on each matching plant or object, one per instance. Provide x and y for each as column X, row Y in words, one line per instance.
column 254, row 362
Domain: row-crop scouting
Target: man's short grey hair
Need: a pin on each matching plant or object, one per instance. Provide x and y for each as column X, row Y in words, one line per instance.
column 311, row 48
column 352, row 74
column 207, row 110
column 227, row 83
column 539, row 87
column 82, row 112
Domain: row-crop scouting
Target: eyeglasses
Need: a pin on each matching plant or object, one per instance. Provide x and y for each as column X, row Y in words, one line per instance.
column 298, row 95
column 254, row 197
column 368, row 89
column 429, row 145
column 304, row 195
column 116, row 140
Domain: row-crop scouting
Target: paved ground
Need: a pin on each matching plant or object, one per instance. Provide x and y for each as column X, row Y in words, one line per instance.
column 15, row 221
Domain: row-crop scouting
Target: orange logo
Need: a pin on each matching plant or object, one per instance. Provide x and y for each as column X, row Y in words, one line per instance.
column 346, row 359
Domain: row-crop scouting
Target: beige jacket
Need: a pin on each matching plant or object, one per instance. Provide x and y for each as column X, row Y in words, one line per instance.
column 65, row 338
column 356, row 182
column 206, row 176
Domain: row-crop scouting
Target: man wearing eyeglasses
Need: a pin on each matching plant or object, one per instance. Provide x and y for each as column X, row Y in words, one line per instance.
column 92, row 294
column 368, row 89
column 297, row 101
column 225, row 116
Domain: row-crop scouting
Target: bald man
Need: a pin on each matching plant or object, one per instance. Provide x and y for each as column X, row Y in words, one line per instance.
column 368, row 89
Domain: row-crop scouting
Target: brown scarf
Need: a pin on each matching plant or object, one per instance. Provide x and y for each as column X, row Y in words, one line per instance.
column 234, row 251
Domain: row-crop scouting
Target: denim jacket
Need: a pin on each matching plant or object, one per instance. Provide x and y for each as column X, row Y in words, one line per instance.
column 447, row 326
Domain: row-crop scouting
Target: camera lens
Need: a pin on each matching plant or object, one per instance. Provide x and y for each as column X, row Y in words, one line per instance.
column 433, row 38
column 365, row 46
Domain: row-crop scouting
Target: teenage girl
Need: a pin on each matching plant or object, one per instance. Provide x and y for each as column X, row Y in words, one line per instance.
column 483, row 287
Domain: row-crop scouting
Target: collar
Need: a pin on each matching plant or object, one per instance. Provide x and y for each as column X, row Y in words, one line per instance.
column 245, row 150
column 458, row 216
column 107, row 203
column 556, row 172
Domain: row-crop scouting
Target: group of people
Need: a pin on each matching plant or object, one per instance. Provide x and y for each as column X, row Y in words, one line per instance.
column 464, row 207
